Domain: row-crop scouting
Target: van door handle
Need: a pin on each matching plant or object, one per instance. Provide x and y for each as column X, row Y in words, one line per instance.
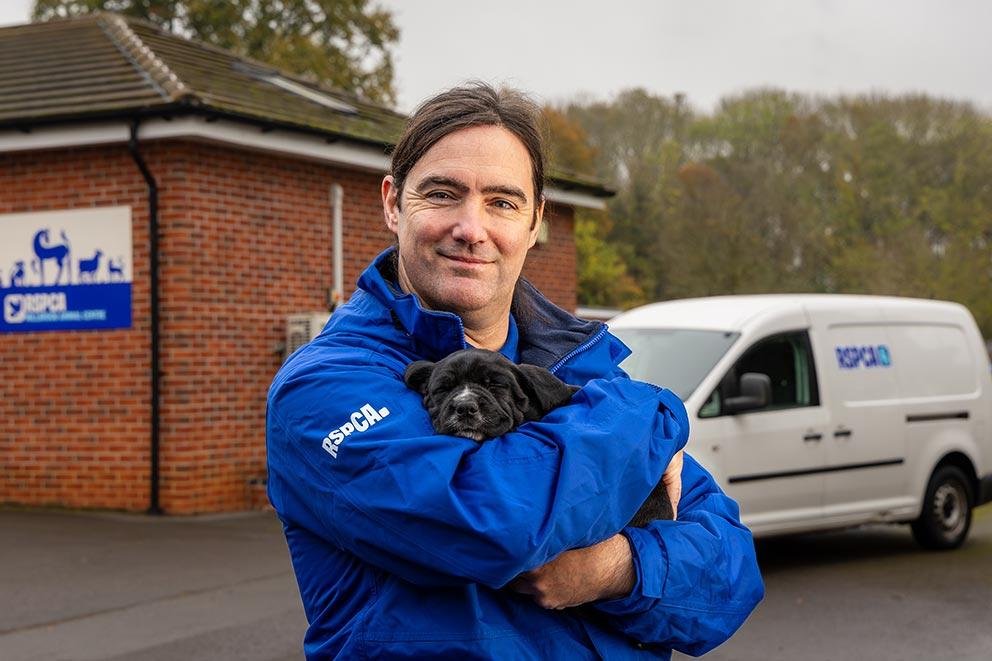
column 812, row 437
column 842, row 433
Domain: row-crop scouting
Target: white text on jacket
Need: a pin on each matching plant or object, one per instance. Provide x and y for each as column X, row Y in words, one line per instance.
column 360, row 420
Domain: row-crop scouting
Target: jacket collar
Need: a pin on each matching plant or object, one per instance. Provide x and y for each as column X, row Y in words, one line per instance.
column 548, row 333
column 437, row 333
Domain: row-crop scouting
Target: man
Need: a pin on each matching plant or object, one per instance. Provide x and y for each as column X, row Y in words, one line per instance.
column 411, row 544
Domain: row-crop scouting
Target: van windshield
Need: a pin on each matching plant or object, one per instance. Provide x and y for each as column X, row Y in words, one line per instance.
column 674, row 359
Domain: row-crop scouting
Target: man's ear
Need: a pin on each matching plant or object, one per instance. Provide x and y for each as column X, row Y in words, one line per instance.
column 390, row 203
column 538, row 219
column 544, row 390
column 417, row 374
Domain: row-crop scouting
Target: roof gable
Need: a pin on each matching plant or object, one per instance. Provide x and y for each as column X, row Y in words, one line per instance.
column 107, row 64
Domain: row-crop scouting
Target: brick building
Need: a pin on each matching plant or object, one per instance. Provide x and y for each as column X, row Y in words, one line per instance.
column 228, row 166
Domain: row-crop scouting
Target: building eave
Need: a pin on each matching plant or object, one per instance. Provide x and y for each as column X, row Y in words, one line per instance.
column 159, row 124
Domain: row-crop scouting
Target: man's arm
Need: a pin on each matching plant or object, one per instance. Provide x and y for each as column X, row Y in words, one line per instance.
column 601, row 571
column 685, row 584
column 697, row 577
column 435, row 509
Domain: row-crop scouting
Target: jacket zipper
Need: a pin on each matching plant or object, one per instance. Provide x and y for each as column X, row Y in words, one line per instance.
column 579, row 349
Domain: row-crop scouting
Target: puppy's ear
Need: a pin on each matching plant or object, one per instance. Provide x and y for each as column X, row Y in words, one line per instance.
column 544, row 390
column 416, row 375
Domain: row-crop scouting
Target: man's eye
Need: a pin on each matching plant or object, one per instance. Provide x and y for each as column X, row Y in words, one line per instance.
column 505, row 204
column 440, row 195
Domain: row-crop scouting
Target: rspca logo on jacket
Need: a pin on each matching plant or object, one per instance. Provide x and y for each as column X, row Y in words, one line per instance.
column 358, row 422
column 65, row 270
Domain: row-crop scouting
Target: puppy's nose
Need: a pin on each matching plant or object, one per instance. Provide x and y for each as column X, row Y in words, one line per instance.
column 467, row 408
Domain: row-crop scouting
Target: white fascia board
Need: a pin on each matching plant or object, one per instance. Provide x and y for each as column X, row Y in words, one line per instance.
column 77, row 135
column 574, row 199
column 343, row 152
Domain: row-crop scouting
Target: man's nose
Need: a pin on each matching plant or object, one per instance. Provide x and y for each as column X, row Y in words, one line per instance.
column 470, row 226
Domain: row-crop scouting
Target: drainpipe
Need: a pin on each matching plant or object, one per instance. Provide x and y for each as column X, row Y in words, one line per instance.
column 337, row 293
column 153, row 507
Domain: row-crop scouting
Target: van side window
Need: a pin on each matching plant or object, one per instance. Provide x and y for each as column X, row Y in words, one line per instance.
column 787, row 361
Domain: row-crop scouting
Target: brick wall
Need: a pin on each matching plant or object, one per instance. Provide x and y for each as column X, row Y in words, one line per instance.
column 551, row 266
column 74, row 406
column 245, row 239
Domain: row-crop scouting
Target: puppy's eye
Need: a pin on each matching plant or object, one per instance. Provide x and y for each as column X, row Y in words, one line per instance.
column 498, row 383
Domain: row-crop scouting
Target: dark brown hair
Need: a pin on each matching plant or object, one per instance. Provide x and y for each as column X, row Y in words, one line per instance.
column 474, row 104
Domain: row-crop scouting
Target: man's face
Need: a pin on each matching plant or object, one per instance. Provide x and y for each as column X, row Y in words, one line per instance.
column 466, row 221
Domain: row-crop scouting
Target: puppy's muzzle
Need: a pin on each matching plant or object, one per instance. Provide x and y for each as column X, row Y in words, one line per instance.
column 466, row 406
column 469, row 413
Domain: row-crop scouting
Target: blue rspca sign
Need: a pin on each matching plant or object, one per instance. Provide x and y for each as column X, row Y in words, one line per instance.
column 65, row 270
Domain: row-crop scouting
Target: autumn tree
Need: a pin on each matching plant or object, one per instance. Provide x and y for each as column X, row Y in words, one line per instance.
column 780, row 192
column 345, row 44
column 603, row 279
column 638, row 141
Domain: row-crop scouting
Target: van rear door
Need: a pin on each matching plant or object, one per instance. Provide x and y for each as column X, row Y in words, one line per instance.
column 866, row 447
column 939, row 371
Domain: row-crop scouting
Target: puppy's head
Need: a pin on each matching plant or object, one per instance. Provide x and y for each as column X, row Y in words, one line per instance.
column 479, row 394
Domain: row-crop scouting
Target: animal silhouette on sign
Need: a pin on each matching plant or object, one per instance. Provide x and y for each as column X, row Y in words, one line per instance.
column 17, row 274
column 115, row 268
column 44, row 251
column 88, row 267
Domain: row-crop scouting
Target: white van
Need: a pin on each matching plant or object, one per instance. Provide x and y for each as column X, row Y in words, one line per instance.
column 824, row 411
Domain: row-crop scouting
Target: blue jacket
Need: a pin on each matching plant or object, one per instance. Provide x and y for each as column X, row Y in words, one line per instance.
column 402, row 539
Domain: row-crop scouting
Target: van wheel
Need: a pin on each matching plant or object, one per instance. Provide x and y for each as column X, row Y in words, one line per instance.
column 946, row 516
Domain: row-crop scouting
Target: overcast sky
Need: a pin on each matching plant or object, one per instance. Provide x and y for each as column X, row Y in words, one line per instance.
column 706, row 49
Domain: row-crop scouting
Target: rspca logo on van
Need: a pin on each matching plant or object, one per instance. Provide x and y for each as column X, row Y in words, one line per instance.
column 853, row 357
column 358, row 421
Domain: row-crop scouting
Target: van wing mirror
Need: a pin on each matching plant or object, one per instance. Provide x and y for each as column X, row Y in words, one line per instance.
column 756, row 393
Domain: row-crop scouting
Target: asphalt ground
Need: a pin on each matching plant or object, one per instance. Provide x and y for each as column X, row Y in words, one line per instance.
column 870, row 593
column 120, row 586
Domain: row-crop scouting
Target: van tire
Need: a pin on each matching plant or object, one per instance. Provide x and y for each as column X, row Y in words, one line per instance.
column 946, row 517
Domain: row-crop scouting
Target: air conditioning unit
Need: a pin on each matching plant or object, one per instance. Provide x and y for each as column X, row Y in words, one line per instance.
column 303, row 327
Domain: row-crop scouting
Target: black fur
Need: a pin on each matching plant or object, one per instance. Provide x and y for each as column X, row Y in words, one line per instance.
column 480, row 394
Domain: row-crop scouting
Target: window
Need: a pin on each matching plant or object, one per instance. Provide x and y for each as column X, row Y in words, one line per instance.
column 273, row 77
column 788, row 362
column 677, row 359
column 310, row 94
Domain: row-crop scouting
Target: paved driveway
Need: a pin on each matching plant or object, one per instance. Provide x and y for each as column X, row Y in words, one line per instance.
column 870, row 594
column 116, row 586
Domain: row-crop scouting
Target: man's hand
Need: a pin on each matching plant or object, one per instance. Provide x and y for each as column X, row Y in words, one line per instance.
column 672, row 479
column 601, row 571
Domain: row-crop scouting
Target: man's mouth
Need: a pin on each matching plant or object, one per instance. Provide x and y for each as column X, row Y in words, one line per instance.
column 466, row 259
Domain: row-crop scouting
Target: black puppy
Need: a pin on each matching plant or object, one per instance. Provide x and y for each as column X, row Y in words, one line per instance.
column 480, row 394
